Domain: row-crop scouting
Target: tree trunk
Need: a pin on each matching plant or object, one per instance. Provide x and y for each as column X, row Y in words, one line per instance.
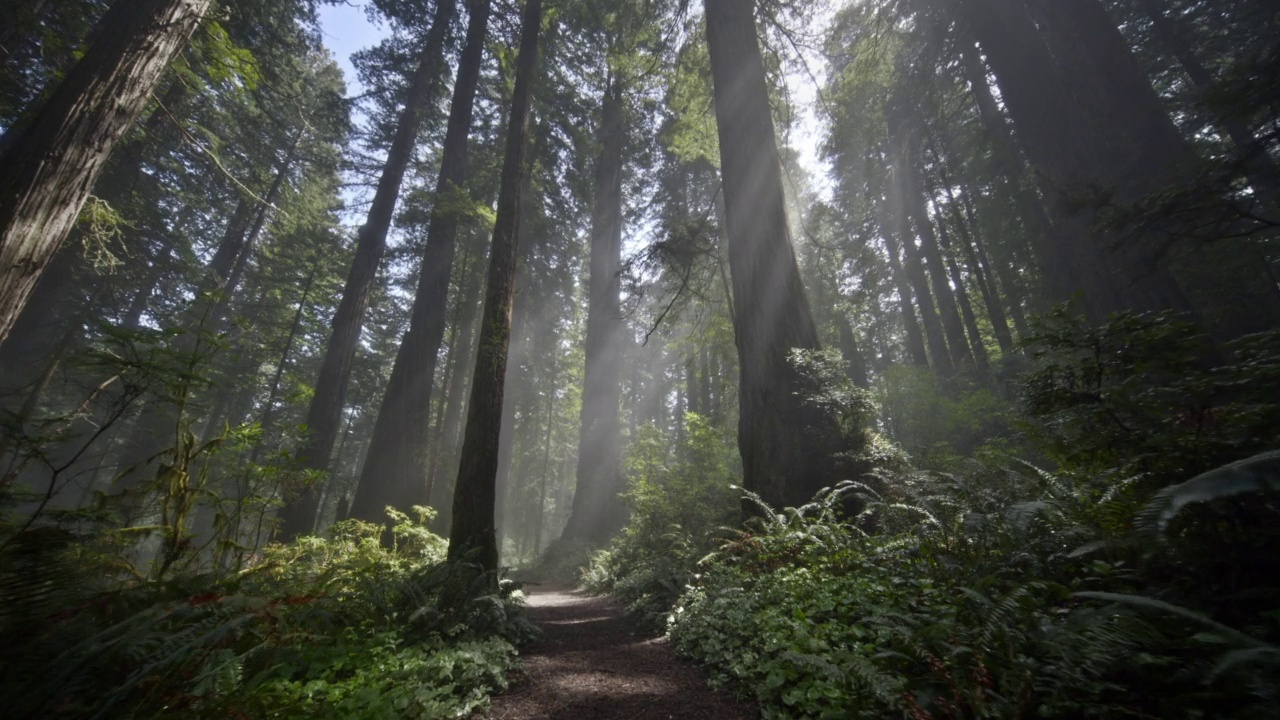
column 473, row 500
column 444, row 459
column 913, row 194
column 1090, row 122
column 704, row 381
column 906, row 307
column 976, row 342
column 1258, row 167
column 325, row 413
column 395, row 471
column 854, row 362
column 46, row 174
column 981, row 274
column 597, row 510
column 1010, row 166
column 913, row 269
column 1136, row 149
column 787, row 444
column 269, row 408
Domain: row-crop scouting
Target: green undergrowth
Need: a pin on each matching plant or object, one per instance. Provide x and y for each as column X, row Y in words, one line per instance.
column 336, row 627
column 1136, row 578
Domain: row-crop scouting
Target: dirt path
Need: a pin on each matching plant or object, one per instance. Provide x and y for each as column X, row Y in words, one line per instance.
column 593, row 663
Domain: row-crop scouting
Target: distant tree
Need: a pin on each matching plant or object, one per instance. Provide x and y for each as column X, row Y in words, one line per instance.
column 597, row 511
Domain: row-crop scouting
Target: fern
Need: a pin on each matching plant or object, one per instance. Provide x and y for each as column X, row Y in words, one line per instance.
column 1257, row 474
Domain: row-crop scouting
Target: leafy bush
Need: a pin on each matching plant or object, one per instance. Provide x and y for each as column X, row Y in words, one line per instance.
column 337, row 627
column 677, row 498
column 950, row 613
column 1134, row 579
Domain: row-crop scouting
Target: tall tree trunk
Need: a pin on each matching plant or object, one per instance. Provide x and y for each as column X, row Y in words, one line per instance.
column 704, row 381
column 540, row 517
column 269, row 409
column 981, row 274
column 443, row 470
column 395, row 471
column 1089, row 121
column 325, row 413
column 913, row 270
column 913, row 193
column 47, row 173
column 597, row 511
column 1258, row 167
column 1136, row 149
column 787, row 444
column 888, row 211
column 473, row 500
column 1011, row 168
column 152, row 431
column 976, row 342
column 854, row 362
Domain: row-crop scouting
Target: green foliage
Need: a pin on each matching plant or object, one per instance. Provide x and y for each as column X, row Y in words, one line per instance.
column 676, row 499
column 1146, row 394
column 1097, row 589
column 981, row 596
column 937, row 426
column 338, row 627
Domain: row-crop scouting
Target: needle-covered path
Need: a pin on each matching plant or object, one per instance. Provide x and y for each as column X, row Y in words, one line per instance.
column 593, row 662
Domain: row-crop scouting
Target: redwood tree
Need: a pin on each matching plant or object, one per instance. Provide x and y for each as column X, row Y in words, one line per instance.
column 475, row 492
column 597, row 511
column 324, row 416
column 395, row 470
column 48, row 169
column 786, row 444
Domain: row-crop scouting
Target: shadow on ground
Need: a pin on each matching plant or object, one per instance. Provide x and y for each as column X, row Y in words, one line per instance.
column 593, row 662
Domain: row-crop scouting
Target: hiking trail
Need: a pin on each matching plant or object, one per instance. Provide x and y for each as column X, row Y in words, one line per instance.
column 593, row 662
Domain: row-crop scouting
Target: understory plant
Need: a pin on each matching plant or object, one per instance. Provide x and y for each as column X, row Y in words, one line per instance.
column 1129, row 572
column 336, row 627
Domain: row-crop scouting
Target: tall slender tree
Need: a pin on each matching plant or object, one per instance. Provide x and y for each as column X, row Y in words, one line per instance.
column 474, row 496
column 324, row 417
column 395, row 471
column 597, row 510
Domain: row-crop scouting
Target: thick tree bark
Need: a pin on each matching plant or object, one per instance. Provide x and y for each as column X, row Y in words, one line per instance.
column 1090, row 122
column 395, row 471
column 473, row 529
column 324, row 416
column 46, row 174
column 597, row 510
column 787, row 444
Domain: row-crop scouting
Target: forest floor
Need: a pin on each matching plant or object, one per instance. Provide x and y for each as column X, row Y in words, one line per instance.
column 594, row 662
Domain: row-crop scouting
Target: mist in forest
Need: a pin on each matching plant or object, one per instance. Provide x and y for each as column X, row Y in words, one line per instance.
column 716, row 307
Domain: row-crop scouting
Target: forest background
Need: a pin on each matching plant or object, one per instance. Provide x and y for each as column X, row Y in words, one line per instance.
column 900, row 356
